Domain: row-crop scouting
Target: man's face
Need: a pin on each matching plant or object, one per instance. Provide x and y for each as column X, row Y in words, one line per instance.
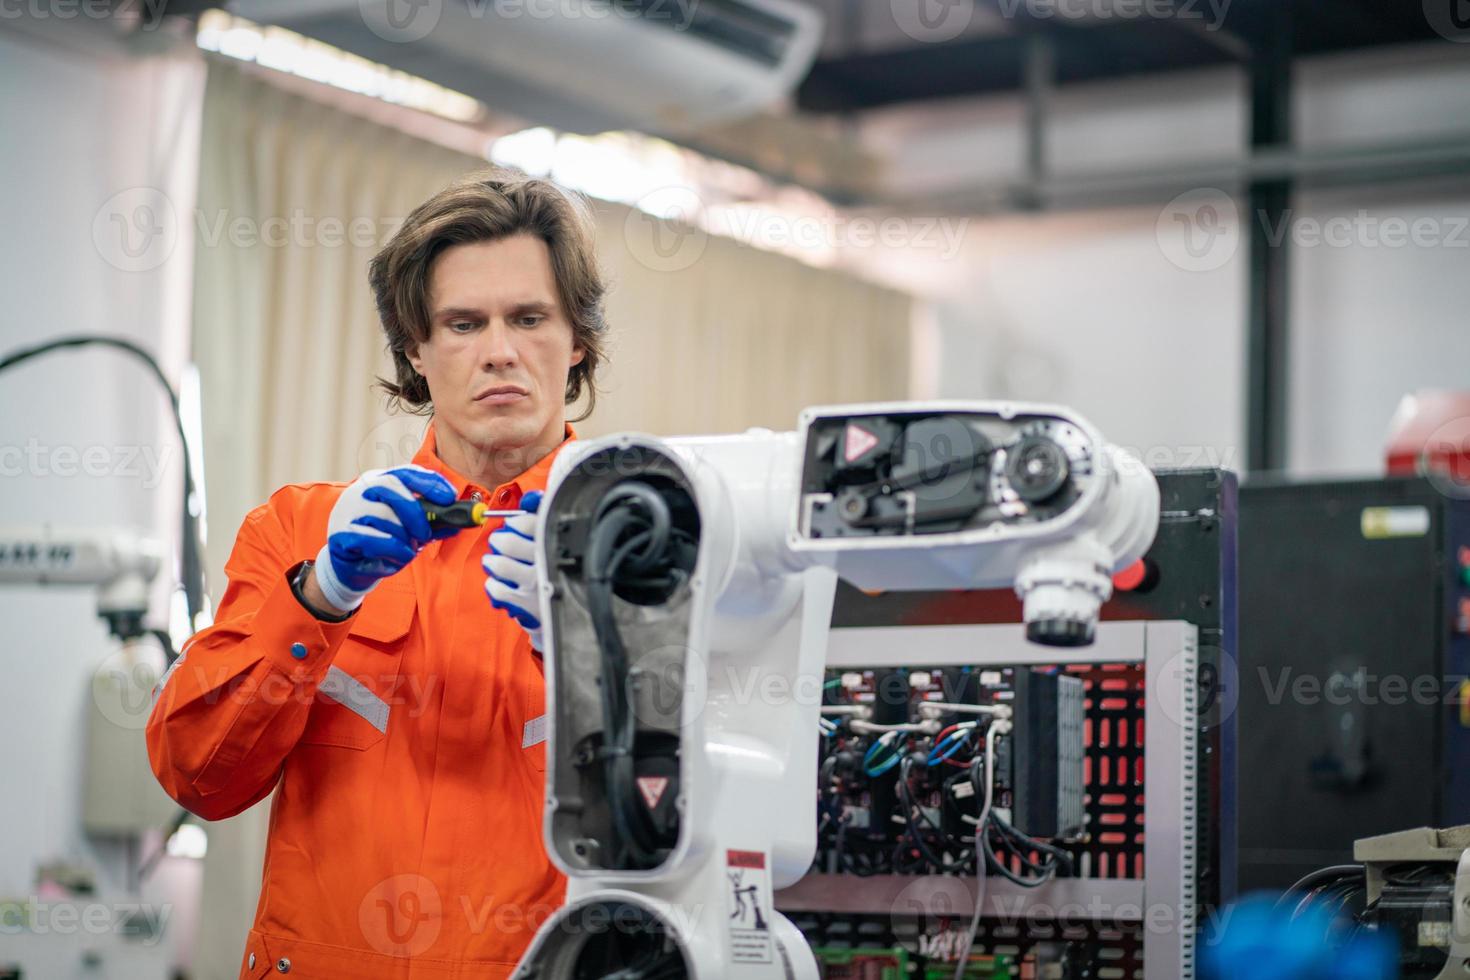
column 500, row 345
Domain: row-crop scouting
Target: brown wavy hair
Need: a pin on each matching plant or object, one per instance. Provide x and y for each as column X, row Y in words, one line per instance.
column 485, row 206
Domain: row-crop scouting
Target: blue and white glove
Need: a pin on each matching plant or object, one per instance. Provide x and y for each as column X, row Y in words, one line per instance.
column 376, row 527
column 511, row 567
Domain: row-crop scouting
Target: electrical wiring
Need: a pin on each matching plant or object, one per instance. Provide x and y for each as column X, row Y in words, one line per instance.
column 1059, row 856
column 948, row 795
column 1011, row 840
column 916, row 834
column 884, row 741
column 1018, row 844
column 980, row 846
column 949, row 742
column 999, row 867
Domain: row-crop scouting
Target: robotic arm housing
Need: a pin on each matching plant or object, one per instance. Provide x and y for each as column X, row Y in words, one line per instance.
column 687, row 592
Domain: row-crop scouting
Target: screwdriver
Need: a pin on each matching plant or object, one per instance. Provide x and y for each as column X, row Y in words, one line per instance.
column 461, row 513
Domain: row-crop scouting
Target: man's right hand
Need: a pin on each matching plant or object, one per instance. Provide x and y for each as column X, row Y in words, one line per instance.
column 376, row 527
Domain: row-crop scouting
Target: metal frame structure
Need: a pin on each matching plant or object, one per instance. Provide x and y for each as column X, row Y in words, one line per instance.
column 1169, row 651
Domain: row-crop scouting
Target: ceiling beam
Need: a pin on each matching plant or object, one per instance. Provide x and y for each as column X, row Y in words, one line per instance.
column 1096, row 51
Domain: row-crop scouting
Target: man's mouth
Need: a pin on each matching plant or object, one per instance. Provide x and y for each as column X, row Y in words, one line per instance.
column 502, row 395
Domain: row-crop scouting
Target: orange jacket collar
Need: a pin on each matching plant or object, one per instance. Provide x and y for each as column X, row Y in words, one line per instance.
column 533, row 478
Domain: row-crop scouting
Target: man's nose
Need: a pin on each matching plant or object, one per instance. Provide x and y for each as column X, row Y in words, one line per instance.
column 497, row 348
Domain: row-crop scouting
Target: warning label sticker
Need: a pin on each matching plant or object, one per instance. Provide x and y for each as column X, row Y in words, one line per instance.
column 858, row 442
column 750, row 905
column 652, row 788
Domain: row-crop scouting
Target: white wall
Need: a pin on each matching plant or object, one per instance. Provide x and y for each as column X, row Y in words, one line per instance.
column 84, row 119
column 1372, row 322
column 1086, row 308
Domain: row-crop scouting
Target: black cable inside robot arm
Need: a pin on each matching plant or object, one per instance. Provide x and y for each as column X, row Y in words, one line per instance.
column 632, row 545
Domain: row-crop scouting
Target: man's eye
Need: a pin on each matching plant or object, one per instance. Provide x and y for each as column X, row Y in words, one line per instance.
column 530, row 319
column 462, row 326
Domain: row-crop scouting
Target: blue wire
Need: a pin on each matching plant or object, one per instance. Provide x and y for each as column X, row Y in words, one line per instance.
column 956, row 740
column 868, row 759
column 939, row 753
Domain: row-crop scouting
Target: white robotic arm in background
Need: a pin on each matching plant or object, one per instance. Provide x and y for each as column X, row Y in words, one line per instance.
column 687, row 592
column 120, row 564
column 119, row 794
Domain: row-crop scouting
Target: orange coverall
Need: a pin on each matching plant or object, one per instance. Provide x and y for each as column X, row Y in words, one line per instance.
column 406, row 747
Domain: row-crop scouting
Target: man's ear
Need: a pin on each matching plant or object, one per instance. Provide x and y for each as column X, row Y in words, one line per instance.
column 414, row 358
column 578, row 354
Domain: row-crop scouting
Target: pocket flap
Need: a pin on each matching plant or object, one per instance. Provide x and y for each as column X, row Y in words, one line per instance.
column 385, row 615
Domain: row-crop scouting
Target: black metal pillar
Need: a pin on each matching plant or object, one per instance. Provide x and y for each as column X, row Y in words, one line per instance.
column 1269, row 204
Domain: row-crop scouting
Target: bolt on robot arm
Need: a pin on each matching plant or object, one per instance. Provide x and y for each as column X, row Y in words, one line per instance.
column 687, row 590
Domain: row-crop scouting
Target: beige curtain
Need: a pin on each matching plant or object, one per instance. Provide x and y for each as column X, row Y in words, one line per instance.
column 294, row 199
column 715, row 336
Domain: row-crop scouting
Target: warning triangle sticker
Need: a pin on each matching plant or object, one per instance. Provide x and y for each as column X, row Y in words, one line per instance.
column 859, row 441
column 652, row 788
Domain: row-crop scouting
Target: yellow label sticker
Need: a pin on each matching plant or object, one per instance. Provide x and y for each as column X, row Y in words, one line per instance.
column 1395, row 522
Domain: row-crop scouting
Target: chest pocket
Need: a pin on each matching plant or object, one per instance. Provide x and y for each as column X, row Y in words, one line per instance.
column 355, row 702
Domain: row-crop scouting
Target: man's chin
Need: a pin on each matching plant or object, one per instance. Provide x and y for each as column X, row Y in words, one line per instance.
column 509, row 433
column 505, row 432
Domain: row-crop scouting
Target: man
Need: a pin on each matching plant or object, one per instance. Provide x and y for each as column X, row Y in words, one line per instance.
column 354, row 665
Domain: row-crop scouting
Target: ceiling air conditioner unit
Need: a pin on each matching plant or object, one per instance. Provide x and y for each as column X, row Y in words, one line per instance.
column 661, row 66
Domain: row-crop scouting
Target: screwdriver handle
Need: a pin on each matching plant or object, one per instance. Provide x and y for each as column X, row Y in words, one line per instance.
column 461, row 513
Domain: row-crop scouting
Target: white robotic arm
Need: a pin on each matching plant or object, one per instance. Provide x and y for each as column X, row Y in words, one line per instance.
column 951, row 496
column 687, row 591
column 120, row 564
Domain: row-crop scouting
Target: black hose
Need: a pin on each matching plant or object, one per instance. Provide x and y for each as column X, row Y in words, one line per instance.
column 1321, row 875
column 191, row 561
column 630, row 544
